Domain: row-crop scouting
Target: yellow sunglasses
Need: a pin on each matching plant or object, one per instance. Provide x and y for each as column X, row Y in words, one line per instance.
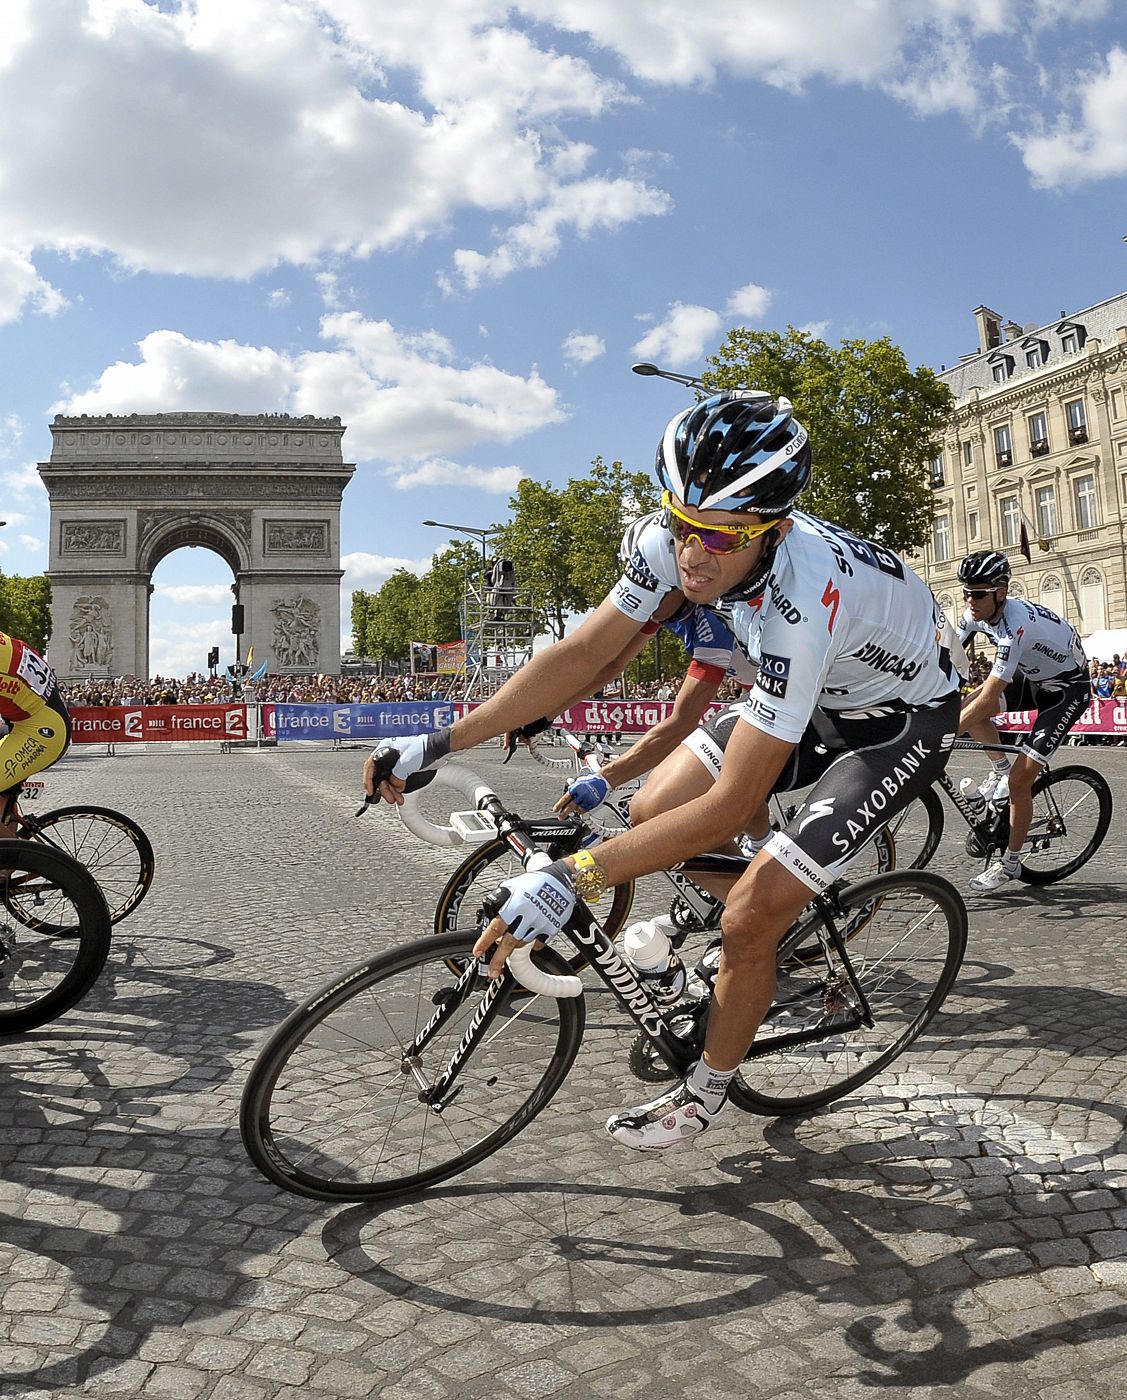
column 713, row 539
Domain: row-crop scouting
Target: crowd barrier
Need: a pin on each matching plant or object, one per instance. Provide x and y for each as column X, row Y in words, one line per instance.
column 146, row 724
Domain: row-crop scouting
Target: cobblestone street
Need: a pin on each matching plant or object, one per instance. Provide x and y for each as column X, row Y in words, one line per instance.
column 957, row 1226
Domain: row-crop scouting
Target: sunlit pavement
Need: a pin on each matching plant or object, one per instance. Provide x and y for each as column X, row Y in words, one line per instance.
column 957, row 1227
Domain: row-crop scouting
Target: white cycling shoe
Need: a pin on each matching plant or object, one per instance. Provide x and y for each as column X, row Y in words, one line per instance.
column 670, row 1121
column 995, row 877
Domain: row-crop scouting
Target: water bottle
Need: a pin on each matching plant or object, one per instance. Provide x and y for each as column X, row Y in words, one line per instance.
column 971, row 795
column 658, row 968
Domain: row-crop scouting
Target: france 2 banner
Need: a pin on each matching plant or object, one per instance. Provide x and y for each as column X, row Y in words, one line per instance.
column 147, row 724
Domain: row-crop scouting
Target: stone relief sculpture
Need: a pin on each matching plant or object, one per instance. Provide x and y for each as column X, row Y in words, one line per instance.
column 297, row 631
column 295, row 537
column 93, row 538
column 91, row 634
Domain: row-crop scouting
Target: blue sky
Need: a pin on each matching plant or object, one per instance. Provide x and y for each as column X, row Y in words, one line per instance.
column 457, row 224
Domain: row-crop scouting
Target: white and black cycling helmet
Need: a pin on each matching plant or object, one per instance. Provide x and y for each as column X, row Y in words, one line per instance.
column 736, row 452
column 985, row 568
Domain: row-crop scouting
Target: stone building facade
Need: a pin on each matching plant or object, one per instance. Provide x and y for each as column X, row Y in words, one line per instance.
column 1038, row 437
column 263, row 491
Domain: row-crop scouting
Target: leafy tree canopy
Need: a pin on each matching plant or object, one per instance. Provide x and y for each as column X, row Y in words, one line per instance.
column 25, row 609
column 874, row 424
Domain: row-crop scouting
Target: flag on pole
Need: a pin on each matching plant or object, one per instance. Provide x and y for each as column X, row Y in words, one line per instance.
column 1025, row 542
column 260, row 673
column 250, row 653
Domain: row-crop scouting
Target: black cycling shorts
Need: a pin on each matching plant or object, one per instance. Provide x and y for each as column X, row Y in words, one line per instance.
column 1058, row 704
column 865, row 769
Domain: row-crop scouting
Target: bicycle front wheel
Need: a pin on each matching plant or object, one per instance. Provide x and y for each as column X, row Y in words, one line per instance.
column 54, row 934
column 1071, row 816
column 918, row 830
column 906, row 951
column 339, row 1105
column 110, row 845
column 459, row 905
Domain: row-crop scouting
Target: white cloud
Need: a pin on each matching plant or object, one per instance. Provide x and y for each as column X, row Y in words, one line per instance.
column 750, row 302
column 32, row 542
column 22, row 287
column 195, row 595
column 278, row 299
column 682, row 338
column 587, row 206
column 1095, row 147
column 817, row 329
column 581, row 349
column 11, row 435
column 179, row 648
column 401, row 396
column 24, row 483
column 438, row 472
column 363, row 570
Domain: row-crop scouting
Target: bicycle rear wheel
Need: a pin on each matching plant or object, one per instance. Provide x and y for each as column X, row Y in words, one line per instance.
column 459, row 905
column 110, row 845
column 918, row 830
column 906, row 953
column 54, row 934
column 332, row 1108
column 1071, row 816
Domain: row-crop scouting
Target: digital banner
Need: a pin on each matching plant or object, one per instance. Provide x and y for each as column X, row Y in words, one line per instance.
column 148, row 724
column 621, row 716
column 355, row 721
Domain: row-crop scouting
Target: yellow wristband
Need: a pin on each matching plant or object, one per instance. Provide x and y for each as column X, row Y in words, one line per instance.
column 590, row 877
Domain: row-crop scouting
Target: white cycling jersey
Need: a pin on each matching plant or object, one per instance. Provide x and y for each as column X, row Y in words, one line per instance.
column 843, row 625
column 1032, row 641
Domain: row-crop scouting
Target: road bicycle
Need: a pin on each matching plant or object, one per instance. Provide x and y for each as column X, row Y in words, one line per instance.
column 54, row 934
column 692, row 909
column 110, row 845
column 414, row 1066
column 1071, row 816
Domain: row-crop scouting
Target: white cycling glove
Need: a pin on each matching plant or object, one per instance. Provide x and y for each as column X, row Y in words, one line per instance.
column 536, row 903
column 410, row 754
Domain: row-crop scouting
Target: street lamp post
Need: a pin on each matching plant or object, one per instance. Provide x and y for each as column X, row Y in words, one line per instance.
column 476, row 530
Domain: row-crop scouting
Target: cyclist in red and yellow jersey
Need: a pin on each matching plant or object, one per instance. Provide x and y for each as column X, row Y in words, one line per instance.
column 37, row 719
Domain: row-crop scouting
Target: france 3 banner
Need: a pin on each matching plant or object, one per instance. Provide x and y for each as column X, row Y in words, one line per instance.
column 357, row 721
column 148, row 724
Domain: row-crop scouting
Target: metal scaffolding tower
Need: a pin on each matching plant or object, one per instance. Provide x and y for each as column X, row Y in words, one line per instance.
column 499, row 628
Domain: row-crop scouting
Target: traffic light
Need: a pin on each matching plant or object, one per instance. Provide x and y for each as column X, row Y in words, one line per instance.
column 237, row 619
column 213, row 658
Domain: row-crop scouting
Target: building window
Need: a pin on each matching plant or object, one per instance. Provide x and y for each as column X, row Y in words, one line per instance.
column 1010, row 513
column 1003, row 446
column 1046, row 497
column 941, row 538
column 1093, row 601
column 968, row 454
column 1000, row 371
column 1087, row 504
column 1077, row 418
column 1052, row 594
column 1035, row 357
column 1038, row 434
column 972, row 524
column 1070, row 341
column 935, row 470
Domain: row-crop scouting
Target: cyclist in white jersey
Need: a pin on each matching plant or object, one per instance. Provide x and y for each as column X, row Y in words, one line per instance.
column 1039, row 665
column 848, row 638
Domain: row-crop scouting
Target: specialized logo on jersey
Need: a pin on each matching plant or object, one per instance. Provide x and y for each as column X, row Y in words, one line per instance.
column 831, row 598
column 774, row 672
column 823, row 807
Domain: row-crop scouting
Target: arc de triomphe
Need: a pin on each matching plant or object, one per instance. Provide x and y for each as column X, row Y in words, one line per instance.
column 261, row 490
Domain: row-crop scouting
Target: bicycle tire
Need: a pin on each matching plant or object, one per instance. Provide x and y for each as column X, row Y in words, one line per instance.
column 107, row 843
column 906, row 956
column 1087, row 807
column 800, row 943
column 918, row 830
column 44, row 973
column 325, row 1106
column 459, row 905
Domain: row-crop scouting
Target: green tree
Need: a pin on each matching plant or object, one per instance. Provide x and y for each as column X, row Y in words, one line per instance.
column 389, row 626
column 362, row 603
column 874, row 424
column 564, row 542
column 436, row 609
column 25, row 609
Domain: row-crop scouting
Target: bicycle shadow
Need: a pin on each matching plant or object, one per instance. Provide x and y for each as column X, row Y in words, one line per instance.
column 887, row 1236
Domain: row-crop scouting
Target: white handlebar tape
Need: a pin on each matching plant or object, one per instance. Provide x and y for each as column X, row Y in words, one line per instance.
column 544, row 984
column 452, row 775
